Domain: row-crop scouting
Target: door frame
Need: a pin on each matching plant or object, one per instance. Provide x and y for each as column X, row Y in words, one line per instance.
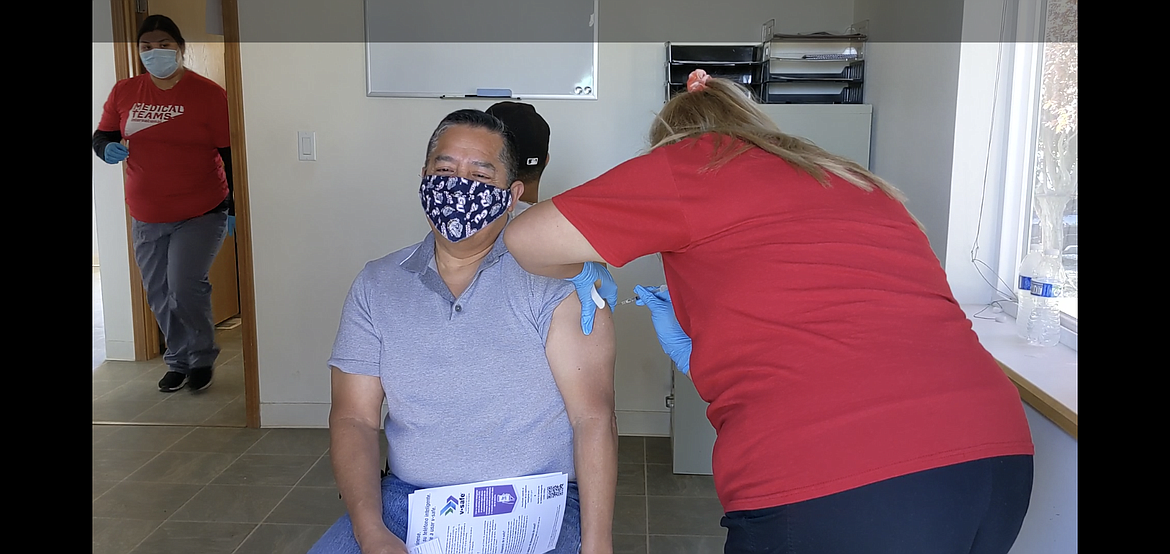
column 126, row 65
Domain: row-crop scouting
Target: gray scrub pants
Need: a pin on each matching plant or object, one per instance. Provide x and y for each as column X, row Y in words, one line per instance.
column 175, row 259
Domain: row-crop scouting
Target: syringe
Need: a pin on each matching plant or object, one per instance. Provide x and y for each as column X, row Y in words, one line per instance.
column 631, row 299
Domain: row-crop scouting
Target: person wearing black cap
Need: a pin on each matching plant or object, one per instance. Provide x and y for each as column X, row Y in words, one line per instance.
column 531, row 133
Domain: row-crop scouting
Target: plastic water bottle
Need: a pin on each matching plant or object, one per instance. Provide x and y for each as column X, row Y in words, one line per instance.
column 1044, row 321
column 1024, row 288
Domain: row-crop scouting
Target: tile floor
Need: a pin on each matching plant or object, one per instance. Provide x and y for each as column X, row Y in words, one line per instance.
column 209, row 490
column 127, row 392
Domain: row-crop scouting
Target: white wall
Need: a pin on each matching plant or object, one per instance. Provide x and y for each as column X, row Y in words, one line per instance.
column 315, row 224
column 911, row 73
column 110, row 207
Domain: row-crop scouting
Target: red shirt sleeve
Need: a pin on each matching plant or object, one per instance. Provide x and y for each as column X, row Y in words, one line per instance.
column 629, row 211
column 111, row 120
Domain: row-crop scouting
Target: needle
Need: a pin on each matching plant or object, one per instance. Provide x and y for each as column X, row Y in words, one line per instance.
column 633, row 298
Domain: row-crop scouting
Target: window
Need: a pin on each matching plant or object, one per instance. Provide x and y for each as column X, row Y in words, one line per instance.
column 1054, row 184
column 1042, row 145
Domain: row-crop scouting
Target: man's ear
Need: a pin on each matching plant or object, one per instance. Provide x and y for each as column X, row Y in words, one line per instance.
column 517, row 189
column 547, row 157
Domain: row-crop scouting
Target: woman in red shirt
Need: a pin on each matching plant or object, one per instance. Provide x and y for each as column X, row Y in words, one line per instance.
column 178, row 191
column 855, row 409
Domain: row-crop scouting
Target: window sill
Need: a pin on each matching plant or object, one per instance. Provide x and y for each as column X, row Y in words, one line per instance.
column 1045, row 377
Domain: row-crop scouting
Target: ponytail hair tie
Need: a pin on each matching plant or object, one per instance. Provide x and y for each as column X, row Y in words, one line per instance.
column 697, row 81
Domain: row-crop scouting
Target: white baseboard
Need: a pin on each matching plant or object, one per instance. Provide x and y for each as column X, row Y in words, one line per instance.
column 294, row 415
column 120, row 350
column 643, row 424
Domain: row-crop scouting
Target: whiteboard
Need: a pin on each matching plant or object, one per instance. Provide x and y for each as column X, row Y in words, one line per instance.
column 452, row 48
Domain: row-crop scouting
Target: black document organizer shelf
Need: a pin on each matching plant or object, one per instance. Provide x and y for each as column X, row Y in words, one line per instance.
column 817, row 68
column 743, row 64
column 819, row 78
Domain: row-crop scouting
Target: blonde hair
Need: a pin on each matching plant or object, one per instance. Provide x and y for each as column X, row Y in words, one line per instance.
column 727, row 110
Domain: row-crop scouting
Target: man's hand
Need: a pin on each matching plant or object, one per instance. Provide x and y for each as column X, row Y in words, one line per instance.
column 382, row 542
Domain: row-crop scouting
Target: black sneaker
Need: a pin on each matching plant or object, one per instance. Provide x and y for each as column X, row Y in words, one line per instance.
column 200, row 378
column 172, row 381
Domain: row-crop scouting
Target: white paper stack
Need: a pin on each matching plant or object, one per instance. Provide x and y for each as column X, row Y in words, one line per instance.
column 814, row 50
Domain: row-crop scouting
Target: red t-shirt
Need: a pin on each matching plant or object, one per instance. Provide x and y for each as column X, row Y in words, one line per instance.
column 825, row 336
column 174, row 171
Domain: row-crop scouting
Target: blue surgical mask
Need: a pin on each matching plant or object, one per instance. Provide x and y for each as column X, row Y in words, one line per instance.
column 160, row 63
column 460, row 208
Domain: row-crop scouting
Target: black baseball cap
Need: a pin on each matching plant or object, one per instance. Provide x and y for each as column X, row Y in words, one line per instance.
column 530, row 132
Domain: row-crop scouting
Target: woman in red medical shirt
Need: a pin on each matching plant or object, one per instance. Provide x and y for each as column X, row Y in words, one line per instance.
column 855, row 409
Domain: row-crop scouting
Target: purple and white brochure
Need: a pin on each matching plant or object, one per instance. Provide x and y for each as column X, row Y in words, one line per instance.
column 502, row 516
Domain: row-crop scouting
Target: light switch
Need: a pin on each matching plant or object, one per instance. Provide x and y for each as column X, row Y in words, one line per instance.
column 307, row 146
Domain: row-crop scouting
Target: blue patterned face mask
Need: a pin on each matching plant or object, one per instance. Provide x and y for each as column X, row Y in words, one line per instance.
column 458, row 207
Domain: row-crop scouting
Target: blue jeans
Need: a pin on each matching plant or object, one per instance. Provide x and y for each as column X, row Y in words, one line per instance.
column 339, row 539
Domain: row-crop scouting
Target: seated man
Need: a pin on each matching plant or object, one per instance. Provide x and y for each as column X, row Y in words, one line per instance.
column 484, row 366
column 531, row 133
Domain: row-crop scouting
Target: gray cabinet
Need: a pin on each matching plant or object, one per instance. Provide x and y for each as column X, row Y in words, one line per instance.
column 691, row 435
column 842, row 129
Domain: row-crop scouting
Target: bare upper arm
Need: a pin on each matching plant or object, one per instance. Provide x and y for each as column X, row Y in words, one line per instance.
column 582, row 365
column 542, row 236
column 356, row 397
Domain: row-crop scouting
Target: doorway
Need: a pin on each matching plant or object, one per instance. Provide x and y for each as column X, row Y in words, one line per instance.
column 126, row 392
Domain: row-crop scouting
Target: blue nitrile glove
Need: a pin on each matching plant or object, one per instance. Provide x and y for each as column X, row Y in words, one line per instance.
column 673, row 339
column 592, row 272
column 115, row 152
column 231, row 226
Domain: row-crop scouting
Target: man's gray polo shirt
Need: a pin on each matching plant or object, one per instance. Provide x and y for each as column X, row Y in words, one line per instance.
column 467, row 381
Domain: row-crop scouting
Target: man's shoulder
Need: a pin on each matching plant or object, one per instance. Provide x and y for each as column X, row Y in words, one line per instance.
column 540, row 285
column 388, row 266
